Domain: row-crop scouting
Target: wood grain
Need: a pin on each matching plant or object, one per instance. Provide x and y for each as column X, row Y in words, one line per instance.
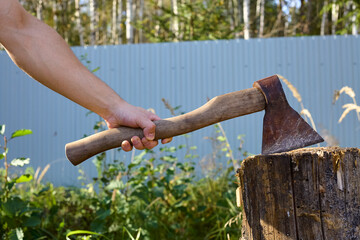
column 218, row 109
column 303, row 194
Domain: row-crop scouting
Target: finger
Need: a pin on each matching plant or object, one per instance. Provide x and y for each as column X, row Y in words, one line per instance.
column 126, row 146
column 148, row 127
column 135, row 140
column 166, row 140
column 153, row 116
column 149, row 144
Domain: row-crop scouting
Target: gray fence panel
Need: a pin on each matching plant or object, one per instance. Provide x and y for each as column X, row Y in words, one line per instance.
column 185, row 74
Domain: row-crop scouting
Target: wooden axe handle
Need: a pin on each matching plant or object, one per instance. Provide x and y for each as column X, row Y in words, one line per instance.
column 218, row 109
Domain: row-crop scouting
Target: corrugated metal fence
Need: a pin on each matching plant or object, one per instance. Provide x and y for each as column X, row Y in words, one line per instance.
column 185, row 74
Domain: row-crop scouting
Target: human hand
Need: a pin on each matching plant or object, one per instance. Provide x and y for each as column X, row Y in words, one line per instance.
column 136, row 117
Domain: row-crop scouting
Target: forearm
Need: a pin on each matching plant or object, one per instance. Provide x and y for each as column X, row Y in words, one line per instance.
column 44, row 55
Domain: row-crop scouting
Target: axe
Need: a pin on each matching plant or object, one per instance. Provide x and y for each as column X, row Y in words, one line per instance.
column 283, row 127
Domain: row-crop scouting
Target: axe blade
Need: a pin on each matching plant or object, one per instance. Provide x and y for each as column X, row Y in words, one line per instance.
column 284, row 129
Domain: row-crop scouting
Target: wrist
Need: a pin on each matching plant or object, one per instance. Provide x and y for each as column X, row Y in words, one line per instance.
column 110, row 111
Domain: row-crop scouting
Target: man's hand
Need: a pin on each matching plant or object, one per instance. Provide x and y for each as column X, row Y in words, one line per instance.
column 41, row 52
column 135, row 117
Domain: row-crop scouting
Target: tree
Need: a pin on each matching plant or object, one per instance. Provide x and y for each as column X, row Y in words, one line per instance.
column 260, row 13
column 93, row 21
column 39, row 8
column 119, row 21
column 324, row 18
column 129, row 28
column 334, row 16
column 133, row 21
column 78, row 22
column 246, row 12
column 175, row 21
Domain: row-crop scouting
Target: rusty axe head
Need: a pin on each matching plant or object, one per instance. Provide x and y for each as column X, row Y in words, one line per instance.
column 284, row 129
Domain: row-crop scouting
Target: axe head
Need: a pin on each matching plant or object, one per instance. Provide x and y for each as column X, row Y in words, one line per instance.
column 283, row 128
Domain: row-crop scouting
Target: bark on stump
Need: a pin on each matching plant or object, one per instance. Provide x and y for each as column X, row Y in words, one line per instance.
column 311, row 193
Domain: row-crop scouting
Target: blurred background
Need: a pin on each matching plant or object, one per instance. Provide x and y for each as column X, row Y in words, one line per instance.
column 168, row 56
column 104, row 22
column 203, row 49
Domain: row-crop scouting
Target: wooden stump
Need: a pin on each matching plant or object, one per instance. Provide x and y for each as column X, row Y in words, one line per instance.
column 311, row 193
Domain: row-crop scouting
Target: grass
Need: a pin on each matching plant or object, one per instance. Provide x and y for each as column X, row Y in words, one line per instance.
column 349, row 106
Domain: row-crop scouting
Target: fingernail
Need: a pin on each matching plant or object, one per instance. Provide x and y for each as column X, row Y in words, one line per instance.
column 167, row 140
column 151, row 136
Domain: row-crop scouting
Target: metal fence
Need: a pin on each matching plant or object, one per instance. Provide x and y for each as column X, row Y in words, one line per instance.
column 185, row 74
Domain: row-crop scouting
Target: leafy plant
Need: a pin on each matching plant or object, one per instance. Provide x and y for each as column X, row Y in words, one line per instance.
column 191, row 19
column 155, row 196
column 21, row 161
column 16, row 214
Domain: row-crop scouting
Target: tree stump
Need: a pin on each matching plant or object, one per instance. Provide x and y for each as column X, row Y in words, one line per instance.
column 311, row 193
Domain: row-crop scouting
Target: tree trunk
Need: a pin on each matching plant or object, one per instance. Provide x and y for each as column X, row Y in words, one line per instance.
column 246, row 13
column 39, row 9
column 353, row 20
column 235, row 14
column 347, row 9
column 158, row 13
column 134, row 18
column 175, row 22
column 119, row 22
column 93, row 24
column 114, row 22
column 323, row 19
column 257, row 11
column 230, row 12
column 78, row 22
column 310, row 193
column 129, row 29
column 55, row 18
column 309, row 17
column 262, row 19
column 141, row 13
column 257, row 14
column 334, row 16
column 64, row 30
column 285, row 18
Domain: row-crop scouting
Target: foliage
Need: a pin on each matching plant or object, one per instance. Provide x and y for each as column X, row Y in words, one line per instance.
column 155, row 196
column 197, row 19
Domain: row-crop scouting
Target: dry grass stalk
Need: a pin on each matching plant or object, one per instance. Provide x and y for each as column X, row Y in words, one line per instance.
column 348, row 107
column 43, row 173
column 306, row 113
column 231, row 155
column 37, row 173
column 236, row 220
column 113, row 197
column 293, row 89
column 168, row 106
column 347, row 90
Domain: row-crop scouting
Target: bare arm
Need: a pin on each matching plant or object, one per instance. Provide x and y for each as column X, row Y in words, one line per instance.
column 39, row 51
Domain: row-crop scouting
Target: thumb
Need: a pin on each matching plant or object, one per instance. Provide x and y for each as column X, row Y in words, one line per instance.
column 148, row 127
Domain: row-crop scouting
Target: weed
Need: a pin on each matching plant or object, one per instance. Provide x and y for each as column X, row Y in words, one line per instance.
column 349, row 106
column 305, row 112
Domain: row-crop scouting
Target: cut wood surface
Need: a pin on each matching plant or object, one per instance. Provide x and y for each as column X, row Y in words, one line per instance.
column 309, row 194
